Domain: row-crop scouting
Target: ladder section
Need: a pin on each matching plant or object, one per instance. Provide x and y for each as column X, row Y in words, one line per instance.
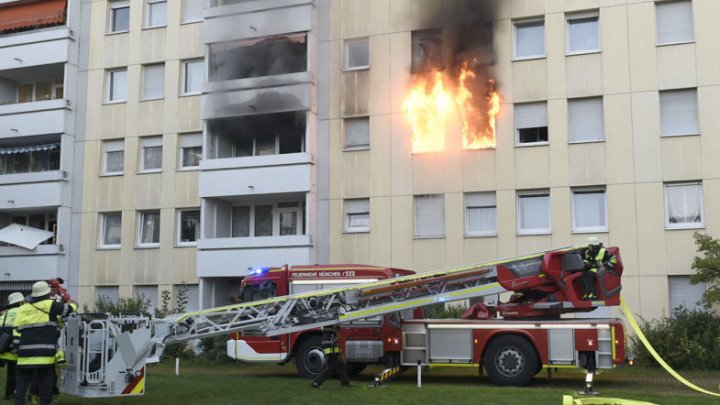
column 286, row 314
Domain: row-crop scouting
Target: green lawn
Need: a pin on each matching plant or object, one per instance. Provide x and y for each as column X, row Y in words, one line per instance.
column 204, row 383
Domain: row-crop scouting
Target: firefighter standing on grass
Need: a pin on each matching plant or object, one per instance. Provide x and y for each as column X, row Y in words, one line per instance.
column 596, row 257
column 335, row 362
column 36, row 339
column 9, row 358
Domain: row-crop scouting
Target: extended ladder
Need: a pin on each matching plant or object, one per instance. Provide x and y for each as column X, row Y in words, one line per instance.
column 291, row 313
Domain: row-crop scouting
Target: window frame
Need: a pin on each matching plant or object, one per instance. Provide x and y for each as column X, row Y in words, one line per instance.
column 101, row 237
column 683, row 225
column 144, row 96
column 588, row 190
column 517, row 130
column 150, row 142
column 178, row 224
column 347, row 120
column 530, row 194
column 184, row 76
column 186, row 141
column 112, row 6
column 467, row 207
column 148, row 16
column 355, row 41
column 662, row 3
column 697, row 112
column 299, row 208
column 111, row 145
column 528, row 21
column 587, row 15
column 349, row 211
column 109, row 83
column 140, row 216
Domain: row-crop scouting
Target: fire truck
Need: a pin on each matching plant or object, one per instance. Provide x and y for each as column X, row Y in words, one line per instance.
column 379, row 310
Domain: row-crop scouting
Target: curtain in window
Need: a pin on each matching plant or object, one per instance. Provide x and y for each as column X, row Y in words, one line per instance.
column 589, row 210
column 684, row 203
column 585, row 119
column 678, row 112
column 157, row 13
column 111, row 231
column 118, row 85
column 535, row 213
column 114, row 161
column 150, row 227
column 583, row 35
column 152, row 158
column 480, row 213
column 263, row 220
column 357, row 213
column 530, row 39
column 288, row 222
column 193, row 76
column 240, row 222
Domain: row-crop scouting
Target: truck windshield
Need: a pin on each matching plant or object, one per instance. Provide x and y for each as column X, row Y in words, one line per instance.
column 258, row 292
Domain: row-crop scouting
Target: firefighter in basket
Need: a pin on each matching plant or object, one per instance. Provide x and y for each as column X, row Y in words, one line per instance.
column 596, row 257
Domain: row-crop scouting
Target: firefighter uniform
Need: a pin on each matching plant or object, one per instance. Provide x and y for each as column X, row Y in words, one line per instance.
column 596, row 256
column 36, row 338
column 9, row 358
column 335, row 363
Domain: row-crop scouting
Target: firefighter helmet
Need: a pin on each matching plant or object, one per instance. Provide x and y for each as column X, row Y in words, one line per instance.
column 593, row 241
column 40, row 288
column 15, row 298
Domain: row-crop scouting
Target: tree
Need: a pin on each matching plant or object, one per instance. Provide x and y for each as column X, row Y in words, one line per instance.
column 707, row 267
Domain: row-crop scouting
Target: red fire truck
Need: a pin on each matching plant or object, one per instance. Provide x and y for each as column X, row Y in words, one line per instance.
column 530, row 336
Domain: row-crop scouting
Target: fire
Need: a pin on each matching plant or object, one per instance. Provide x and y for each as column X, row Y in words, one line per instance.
column 433, row 98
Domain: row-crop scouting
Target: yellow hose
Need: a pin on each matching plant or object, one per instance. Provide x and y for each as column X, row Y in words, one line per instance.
column 569, row 400
column 648, row 346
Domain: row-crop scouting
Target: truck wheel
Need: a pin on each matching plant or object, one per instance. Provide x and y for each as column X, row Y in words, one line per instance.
column 309, row 357
column 354, row 369
column 510, row 360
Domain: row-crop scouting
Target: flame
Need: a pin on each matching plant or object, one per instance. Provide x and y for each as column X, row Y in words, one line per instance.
column 427, row 107
column 432, row 99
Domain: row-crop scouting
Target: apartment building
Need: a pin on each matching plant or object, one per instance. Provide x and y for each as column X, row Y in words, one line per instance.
column 41, row 103
column 607, row 127
column 142, row 147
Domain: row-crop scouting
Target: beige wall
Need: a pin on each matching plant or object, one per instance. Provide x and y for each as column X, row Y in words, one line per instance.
column 165, row 191
column 634, row 161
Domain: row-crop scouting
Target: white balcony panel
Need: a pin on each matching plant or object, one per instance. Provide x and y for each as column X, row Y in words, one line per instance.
column 42, row 263
column 37, row 118
column 31, row 195
column 260, row 82
column 231, row 257
column 23, row 55
column 39, row 177
column 254, row 180
column 242, row 21
column 257, row 101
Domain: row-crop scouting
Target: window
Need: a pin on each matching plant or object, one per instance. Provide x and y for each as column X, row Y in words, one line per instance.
column 430, row 216
column 585, row 120
column 151, row 154
column 108, row 293
column 674, row 22
column 40, row 91
column 149, row 294
column 683, row 205
column 153, row 81
column 110, row 227
column 46, row 221
column 531, row 123
column 256, row 57
column 480, row 214
column 583, row 33
column 192, row 77
column 119, row 16
column 188, row 226
column 117, row 85
column 113, row 157
column 149, row 229
column 156, row 14
column 357, row 133
column 190, row 150
column 192, row 293
column 192, row 10
column 278, row 219
column 685, row 294
column 589, row 210
column 357, row 54
column 534, row 212
column 427, row 50
column 529, row 39
column 679, row 112
column 29, row 158
column 357, row 215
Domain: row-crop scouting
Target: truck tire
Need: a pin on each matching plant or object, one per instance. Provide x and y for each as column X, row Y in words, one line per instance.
column 309, row 357
column 510, row 360
column 354, row 369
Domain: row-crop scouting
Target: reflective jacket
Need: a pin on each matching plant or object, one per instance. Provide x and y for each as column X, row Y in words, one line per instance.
column 36, row 334
column 8, row 320
column 602, row 258
column 329, row 341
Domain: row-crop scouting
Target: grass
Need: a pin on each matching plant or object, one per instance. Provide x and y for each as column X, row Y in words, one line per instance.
column 204, row 383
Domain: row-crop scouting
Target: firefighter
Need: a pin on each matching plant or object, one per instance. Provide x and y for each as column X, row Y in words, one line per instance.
column 335, row 362
column 36, row 339
column 9, row 358
column 596, row 257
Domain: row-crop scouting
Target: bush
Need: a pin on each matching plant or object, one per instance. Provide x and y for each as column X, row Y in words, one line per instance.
column 443, row 311
column 688, row 339
column 215, row 349
column 123, row 306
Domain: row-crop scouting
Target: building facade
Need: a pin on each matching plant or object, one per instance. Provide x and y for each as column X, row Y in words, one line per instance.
column 41, row 105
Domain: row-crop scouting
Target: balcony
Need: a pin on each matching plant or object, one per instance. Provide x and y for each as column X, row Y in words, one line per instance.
column 238, row 19
column 17, row 263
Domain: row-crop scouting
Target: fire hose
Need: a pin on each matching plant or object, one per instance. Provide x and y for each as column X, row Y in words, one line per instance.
column 628, row 314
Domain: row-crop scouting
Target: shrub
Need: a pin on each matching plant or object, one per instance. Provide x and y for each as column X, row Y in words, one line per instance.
column 444, row 311
column 688, row 339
